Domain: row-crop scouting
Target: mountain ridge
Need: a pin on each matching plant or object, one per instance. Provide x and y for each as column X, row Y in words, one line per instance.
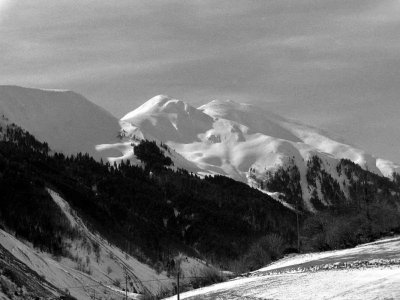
column 244, row 142
column 66, row 120
column 238, row 140
column 152, row 211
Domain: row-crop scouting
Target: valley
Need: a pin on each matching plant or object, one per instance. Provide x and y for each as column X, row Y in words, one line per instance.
column 226, row 189
column 195, row 150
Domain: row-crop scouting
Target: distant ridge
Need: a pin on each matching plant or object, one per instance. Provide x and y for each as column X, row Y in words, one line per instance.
column 238, row 140
column 66, row 120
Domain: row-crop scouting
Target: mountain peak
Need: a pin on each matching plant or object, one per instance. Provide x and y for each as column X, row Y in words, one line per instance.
column 158, row 104
column 167, row 119
column 159, row 99
column 244, row 141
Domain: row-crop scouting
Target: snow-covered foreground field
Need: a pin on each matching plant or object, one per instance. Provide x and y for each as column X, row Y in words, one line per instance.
column 370, row 271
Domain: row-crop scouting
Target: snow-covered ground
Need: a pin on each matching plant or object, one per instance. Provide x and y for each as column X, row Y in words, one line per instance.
column 370, row 271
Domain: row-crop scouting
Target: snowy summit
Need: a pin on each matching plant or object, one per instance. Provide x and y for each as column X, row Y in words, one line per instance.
column 238, row 140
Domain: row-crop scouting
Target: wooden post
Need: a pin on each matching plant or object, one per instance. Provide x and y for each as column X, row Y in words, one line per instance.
column 297, row 220
column 298, row 230
column 178, row 285
column 126, row 284
column 297, row 225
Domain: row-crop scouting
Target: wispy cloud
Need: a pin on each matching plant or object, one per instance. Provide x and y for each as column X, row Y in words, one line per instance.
column 303, row 58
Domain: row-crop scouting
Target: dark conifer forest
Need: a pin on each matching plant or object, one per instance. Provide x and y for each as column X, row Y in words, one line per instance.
column 151, row 212
column 154, row 212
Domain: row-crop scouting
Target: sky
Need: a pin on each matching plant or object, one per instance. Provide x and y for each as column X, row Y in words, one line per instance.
column 331, row 64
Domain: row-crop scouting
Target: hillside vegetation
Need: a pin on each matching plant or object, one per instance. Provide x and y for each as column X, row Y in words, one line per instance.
column 152, row 212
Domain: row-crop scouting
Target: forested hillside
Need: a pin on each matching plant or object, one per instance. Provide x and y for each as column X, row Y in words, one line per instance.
column 151, row 212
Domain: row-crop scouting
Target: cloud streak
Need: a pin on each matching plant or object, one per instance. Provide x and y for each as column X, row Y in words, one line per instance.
column 334, row 64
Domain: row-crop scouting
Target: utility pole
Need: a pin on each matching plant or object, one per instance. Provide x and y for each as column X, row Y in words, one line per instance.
column 366, row 194
column 178, row 285
column 177, row 267
column 126, row 284
column 366, row 200
column 297, row 217
column 297, row 224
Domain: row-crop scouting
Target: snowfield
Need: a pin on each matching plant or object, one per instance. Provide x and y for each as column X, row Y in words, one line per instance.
column 370, row 271
column 238, row 140
column 68, row 122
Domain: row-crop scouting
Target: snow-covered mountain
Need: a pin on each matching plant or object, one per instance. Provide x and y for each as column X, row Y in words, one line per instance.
column 238, row 140
column 242, row 141
column 68, row 122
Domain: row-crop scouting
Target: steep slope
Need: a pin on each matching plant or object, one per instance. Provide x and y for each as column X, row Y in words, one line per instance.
column 17, row 280
column 150, row 214
column 68, row 122
column 91, row 264
column 164, row 118
column 246, row 143
column 305, row 138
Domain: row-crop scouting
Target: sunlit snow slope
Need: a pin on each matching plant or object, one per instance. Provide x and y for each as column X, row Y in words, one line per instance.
column 68, row 122
column 238, row 140
column 369, row 271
